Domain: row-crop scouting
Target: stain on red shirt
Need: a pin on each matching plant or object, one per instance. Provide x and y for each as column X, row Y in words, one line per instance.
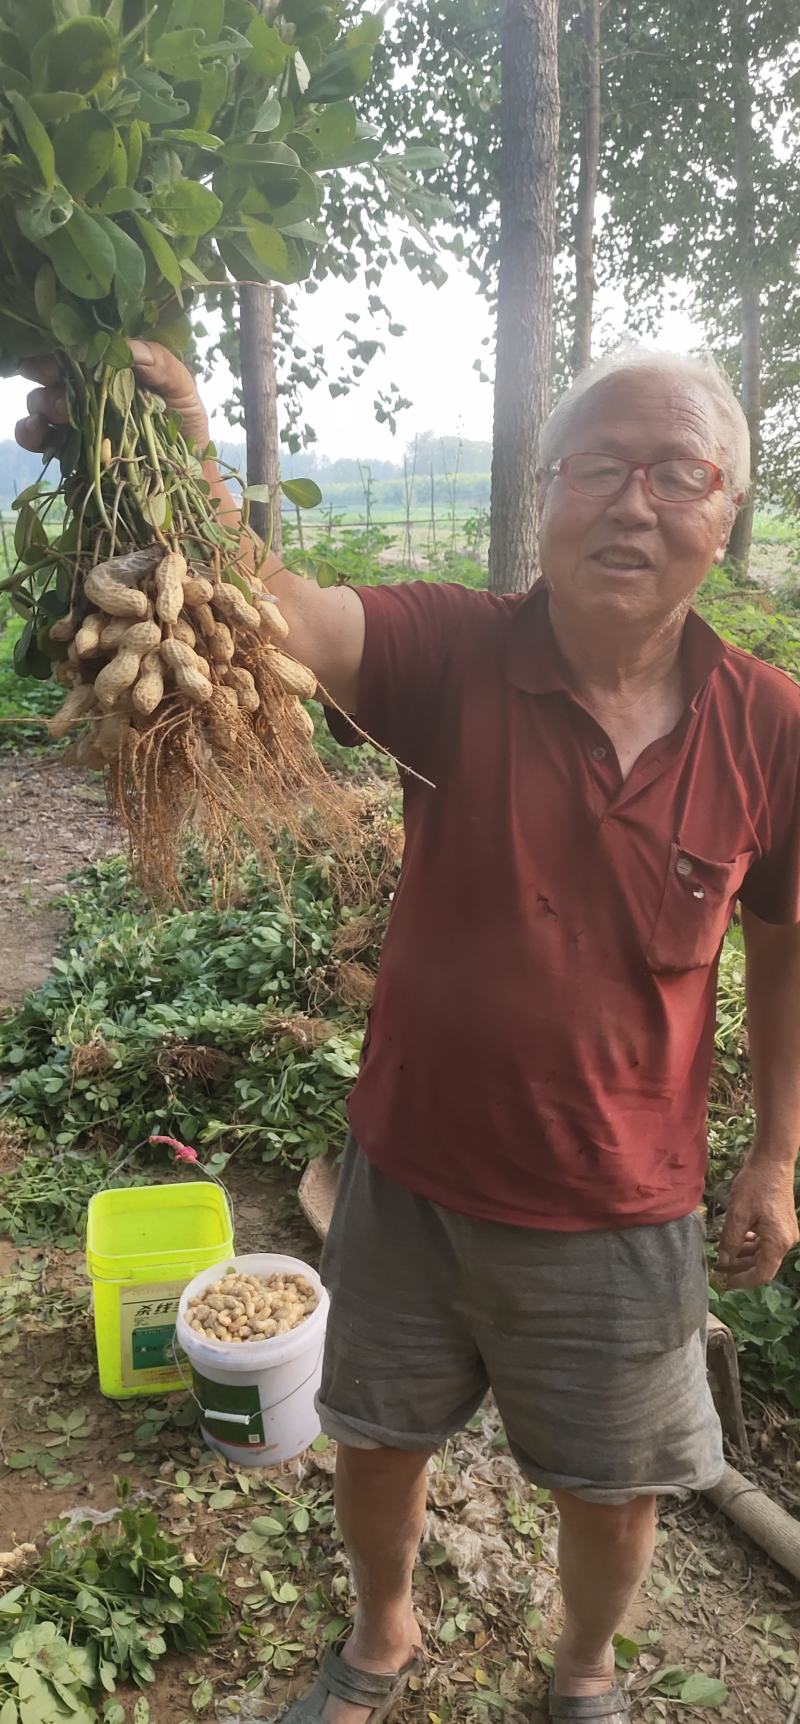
column 540, row 1043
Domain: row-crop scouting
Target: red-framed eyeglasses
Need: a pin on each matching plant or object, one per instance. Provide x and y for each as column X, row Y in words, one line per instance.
column 680, row 480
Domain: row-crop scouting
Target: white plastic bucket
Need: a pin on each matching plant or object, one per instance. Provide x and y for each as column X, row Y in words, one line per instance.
column 257, row 1397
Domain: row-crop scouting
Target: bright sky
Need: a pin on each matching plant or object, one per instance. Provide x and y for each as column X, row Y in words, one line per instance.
column 432, row 363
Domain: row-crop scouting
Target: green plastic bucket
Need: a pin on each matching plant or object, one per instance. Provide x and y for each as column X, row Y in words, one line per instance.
column 143, row 1245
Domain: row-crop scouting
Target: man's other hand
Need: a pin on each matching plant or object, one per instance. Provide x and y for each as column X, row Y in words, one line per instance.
column 760, row 1224
column 156, row 369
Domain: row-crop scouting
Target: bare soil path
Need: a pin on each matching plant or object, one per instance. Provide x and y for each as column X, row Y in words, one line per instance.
column 53, row 819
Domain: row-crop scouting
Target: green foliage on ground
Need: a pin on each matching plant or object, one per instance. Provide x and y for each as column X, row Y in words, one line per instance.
column 200, row 1022
column 750, row 617
column 100, row 1607
column 21, row 697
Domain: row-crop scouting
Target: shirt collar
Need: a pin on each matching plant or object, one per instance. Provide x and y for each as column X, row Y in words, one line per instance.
column 535, row 664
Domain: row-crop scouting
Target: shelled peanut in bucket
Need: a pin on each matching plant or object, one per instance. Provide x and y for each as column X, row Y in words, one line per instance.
column 251, row 1307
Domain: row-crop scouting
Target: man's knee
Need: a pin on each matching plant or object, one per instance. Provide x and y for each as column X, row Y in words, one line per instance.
column 381, row 1463
column 616, row 1522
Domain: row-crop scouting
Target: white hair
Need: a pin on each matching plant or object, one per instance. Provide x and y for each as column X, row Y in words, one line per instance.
column 702, row 372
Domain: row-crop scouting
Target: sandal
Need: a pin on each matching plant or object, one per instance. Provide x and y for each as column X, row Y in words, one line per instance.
column 360, row 1687
column 609, row 1708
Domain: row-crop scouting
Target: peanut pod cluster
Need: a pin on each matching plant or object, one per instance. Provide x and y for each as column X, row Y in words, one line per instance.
column 152, row 627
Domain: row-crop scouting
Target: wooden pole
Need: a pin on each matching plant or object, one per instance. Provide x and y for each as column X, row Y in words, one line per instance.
column 260, row 398
column 769, row 1525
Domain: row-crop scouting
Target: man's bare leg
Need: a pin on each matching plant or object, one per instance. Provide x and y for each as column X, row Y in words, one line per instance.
column 604, row 1555
column 380, row 1506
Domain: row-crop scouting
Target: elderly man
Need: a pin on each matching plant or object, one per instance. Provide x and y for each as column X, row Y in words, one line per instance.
column 517, row 1207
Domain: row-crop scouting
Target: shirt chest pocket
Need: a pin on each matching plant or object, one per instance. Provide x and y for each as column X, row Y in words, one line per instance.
column 695, row 910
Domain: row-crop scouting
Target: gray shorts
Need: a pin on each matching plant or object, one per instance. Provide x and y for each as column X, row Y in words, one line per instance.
column 592, row 1343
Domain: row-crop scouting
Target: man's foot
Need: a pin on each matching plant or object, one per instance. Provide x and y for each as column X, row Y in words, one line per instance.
column 371, row 1658
column 576, row 1676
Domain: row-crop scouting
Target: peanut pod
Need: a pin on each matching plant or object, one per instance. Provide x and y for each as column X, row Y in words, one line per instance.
column 205, row 619
column 183, row 631
column 237, row 677
column 295, row 677
column 142, row 637
column 74, row 706
column 301, row 721
column 65, row 673
column 273, row 622
column 233, row 606
column 197, row 590
column 193, row 684
column 112, row 597
column 87, row 640
column 117, row 676
column 226, row 695
column 111, row 636
column 185, row 667
column 169, row 579
column 63, row 629
column 221, row 643
column 148, row 690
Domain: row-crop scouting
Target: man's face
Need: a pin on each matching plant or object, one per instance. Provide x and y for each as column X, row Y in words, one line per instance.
column 633, row 557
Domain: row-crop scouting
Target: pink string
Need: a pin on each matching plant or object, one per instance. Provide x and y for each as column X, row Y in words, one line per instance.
column 183, row 1151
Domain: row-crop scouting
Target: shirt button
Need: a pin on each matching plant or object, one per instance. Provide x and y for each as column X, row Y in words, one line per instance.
column 599, row 753
column 683, row 866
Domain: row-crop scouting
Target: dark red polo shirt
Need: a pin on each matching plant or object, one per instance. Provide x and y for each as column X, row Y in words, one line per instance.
column 541, row 1037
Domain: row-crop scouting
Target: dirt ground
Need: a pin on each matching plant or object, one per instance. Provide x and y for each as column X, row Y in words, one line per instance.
column 53, row 819
column 486, row 1581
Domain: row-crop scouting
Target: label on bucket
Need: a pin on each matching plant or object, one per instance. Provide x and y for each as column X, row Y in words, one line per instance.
column 147, row 1316
column 231, row 1411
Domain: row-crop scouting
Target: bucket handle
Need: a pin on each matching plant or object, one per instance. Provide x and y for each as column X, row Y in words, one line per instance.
column 184, row 1153
column 240, row 1418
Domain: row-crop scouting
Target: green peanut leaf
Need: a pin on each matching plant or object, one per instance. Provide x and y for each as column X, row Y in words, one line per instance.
column 56, row 105
column 38, row 217
column 268, row 116
column 32, row 132
column 283, row 163
column 304, row 493
column 269, row 246
column 174, row 49
column 186, row 207
column 82, row 256
column 323, row 135
column 44, row 291
column 81, row 54
column 201, row 140
column 346, row 71
column 122, row 200
column 302, row 205
column 269, row 52
column 161, row 251
column 703, row 1691
column 121, row 390
column 69, row 328
column 129, row 265
column 84, row 150
column 156, row 103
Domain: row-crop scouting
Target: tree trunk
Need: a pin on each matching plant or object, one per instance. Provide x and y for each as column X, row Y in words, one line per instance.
column 589, row 153
column 528, row 185
column 747, row 250
column 260, row 398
